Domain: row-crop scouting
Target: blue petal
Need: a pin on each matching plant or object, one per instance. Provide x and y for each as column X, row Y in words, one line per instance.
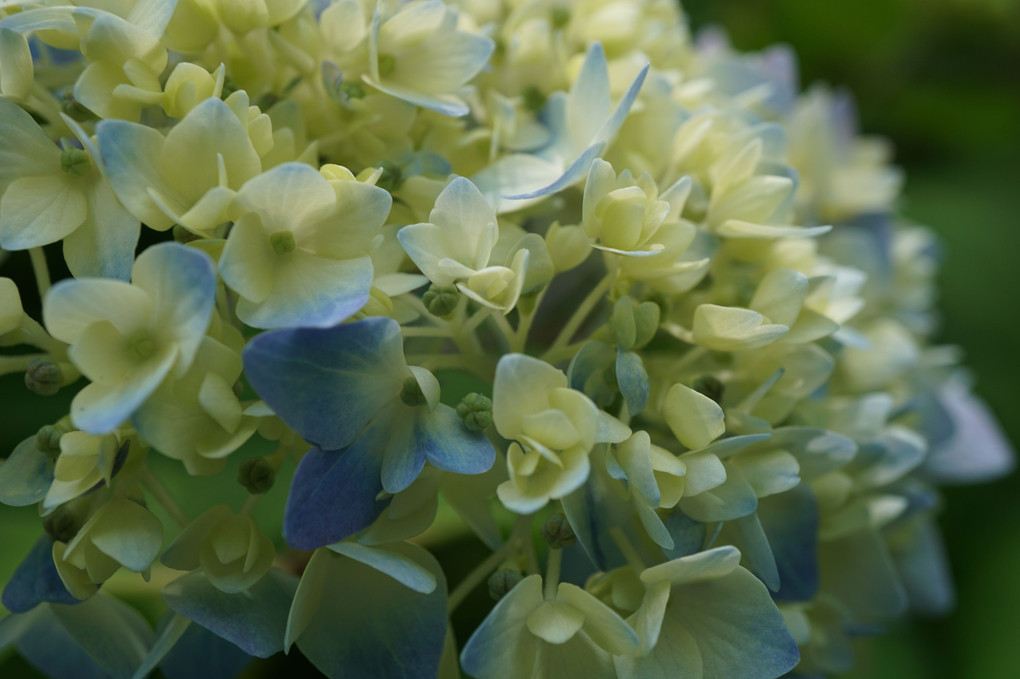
column 633, row 380
column 327, row 384
column 36, row 580
column 688, row 535
column 381, row 629
column 26, row 476
column 42, row 635
column 449, row 446
column 570, row 176
column 254, row 620
column 586, row 371
column 333, row 494
column 200, row 653
column 594, row 509
column 790, row 521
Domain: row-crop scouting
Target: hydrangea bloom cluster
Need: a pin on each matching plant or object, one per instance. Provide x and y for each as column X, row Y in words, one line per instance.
column 622, row 303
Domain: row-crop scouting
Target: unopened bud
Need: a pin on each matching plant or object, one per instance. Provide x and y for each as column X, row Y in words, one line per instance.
column 44, row 377
column 475, row 411
column 257, row 475
column 411, row 393
column 502, row 581
column 47, row 439
column 441, row 301
column 556, row 531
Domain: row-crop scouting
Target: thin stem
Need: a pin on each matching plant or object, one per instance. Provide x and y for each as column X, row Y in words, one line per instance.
column 693, row 355
column 41, row 270
column 579, row 316
column 163, row 497
column 552, row 573
column 629, row 553
column 481, row 572
column 33, row 333
column 520, row 338
column 249, row 504
column 15, row 364
column 504, row 328
column 425, row 331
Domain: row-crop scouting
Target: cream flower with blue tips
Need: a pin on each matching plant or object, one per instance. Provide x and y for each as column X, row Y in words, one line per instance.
column 127, row 338
column 421, row 56
column 191, row 175
column 455, row 246
column 299, row 251
column 52, row 193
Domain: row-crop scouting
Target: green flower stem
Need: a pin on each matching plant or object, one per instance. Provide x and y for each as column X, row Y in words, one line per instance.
column 425, row 331
column 33, row 333
column 16, row 364
column 504, row 328
column 249, row 504
column 41, row 270
column 552, row 573
column 693, row 355
column 580, row 314
column 629, row 553
column 482, row 570
column 163, row 497
column 520, row 338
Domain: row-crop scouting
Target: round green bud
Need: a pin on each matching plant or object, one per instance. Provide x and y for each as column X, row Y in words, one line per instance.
column 441, row 301
column 710, row 386
column 62, row 525
column 257, row 475
column 44, row 377
column 282, row 242
column 75, row 162
column 47, row 439
column 475, row 411
column 387, row 64
column 557, row 533
column 502, row 581
column 352, row 90
column 534, row 98
column 411, row 393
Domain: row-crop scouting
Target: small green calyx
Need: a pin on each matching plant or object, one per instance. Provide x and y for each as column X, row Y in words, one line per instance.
column 73, row 108
column 502, row 581
column 44, row 377
column 141, row 346
column 75, row 162
column 47, row 439
column 439, row 301
column 257, row 475
column 387, row 64
column 710, row 386
column 411, row 393
column 557, row 533
column 282, row 242
column 475, row 411
column 352, row 90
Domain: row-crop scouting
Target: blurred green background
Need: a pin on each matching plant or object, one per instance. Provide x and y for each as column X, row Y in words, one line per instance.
column 941, row 79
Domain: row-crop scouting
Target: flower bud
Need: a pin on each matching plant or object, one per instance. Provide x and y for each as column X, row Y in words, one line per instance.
column 44, row 377
column 622, row 323
column 502, row 581
column 411, row 393
column 475, row 411
column 257, row 475
column 441, row 301
column 556, row 531
column 47, row 439
column 568, row 246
